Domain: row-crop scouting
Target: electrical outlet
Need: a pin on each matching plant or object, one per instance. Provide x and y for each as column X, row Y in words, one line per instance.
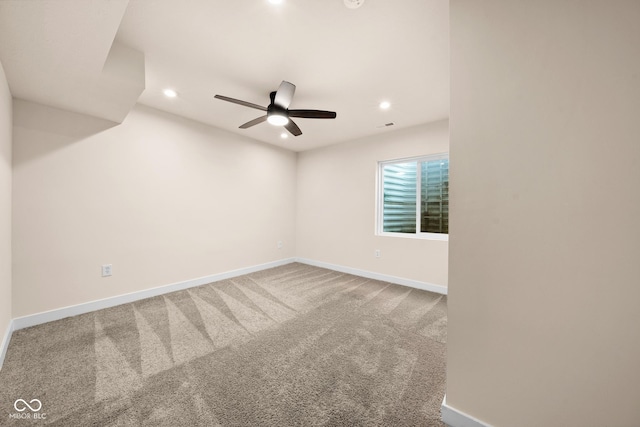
column 106, row 270
column 377, row 253
column 279, row 244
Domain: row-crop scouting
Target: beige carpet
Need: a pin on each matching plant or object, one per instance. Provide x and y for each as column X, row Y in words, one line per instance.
column 292, row 345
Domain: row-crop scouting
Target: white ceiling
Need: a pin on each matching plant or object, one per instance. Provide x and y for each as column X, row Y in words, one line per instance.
column 61, row 53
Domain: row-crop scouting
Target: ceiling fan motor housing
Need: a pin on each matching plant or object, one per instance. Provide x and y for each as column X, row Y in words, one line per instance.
column 276, row 110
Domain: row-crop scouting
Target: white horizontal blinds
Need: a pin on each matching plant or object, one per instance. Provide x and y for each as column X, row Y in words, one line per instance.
column 399, row 192
column 434, row 197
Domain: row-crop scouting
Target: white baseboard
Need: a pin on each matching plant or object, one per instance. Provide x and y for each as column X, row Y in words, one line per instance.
column 377, row 276
column 74, row 310
column 456, row 418
column 4, row 344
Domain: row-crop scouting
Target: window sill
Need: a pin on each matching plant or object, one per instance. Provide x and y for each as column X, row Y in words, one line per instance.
column 418, row 236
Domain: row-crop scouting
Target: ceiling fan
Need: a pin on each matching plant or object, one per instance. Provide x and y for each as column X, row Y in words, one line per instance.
column 278, row 112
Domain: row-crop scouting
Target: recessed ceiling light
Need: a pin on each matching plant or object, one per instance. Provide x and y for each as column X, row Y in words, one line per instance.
column 170, row 93
column 284, row 135
column 275, row 1
column 384, row 105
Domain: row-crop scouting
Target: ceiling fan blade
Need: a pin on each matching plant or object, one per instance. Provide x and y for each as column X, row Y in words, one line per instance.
column 245, row 103
column 284, row 94
column 293, row 128
column 312, row 114
column 254, row 122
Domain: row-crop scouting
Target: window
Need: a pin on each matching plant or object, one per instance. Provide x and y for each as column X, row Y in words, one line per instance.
column 413, row 197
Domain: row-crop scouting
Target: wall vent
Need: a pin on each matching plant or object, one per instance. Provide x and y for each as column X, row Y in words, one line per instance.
column 386, row 125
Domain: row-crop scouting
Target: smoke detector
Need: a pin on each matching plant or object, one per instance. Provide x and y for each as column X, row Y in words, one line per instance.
column 353, row 4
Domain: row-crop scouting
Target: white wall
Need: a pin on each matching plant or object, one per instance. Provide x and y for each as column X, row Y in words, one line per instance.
column 5, row 206
column 336, row 206
column 545, row 207
column 163, row 199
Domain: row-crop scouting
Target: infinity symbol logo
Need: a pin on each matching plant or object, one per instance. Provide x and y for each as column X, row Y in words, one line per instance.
column 26, row 405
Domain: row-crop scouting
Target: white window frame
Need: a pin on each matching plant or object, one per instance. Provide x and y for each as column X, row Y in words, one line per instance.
column 379, row 220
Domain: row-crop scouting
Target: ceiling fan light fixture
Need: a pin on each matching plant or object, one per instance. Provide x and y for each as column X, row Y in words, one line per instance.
column 278, row 119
